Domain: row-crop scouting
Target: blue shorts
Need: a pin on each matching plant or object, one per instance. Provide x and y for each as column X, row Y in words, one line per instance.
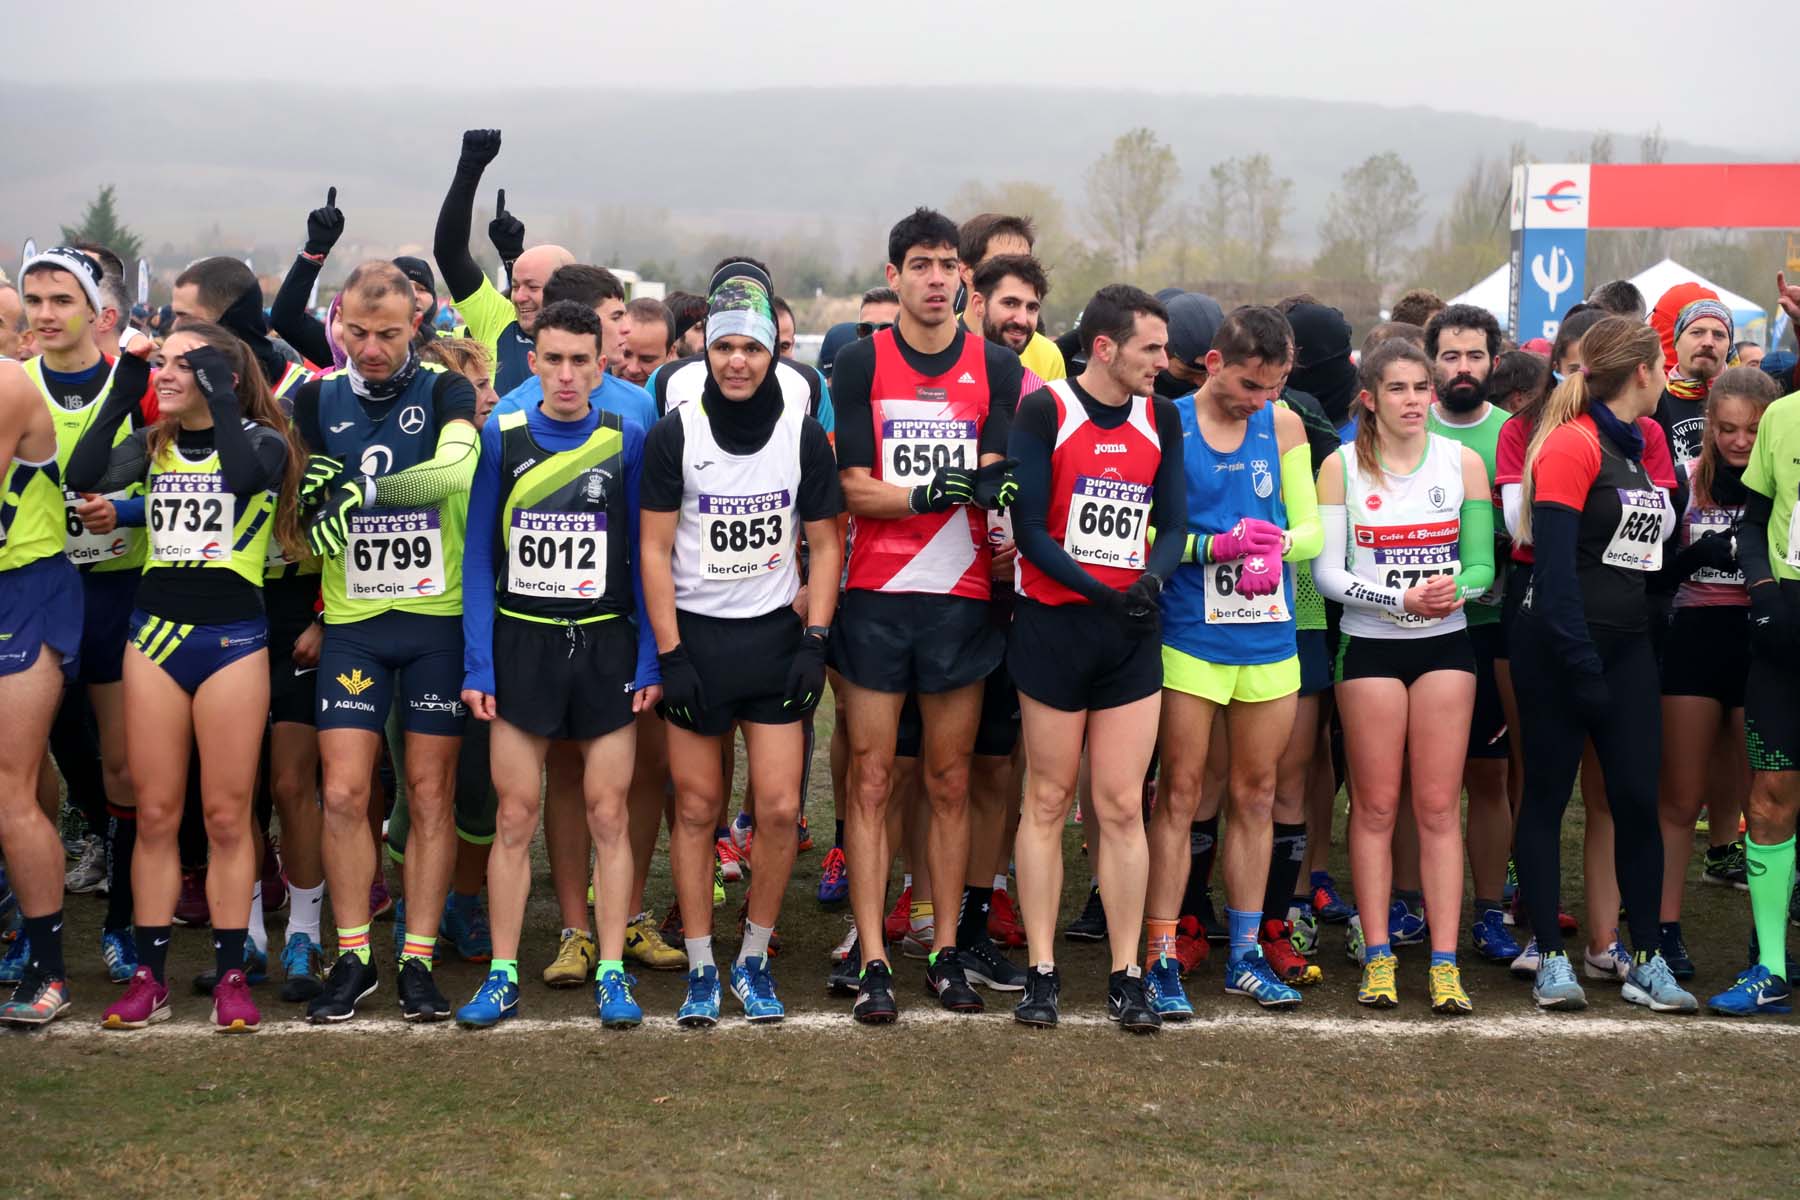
column 40, row 605
column 192, row 654
column 363, row 665
column 108, row 621
column 1315, row 661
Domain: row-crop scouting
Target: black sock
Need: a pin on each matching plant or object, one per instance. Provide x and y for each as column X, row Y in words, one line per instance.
column 122, row 835
column 1484, row 906
column 1285, row 857
column 44, row 936
column 971, row 923
column 838, row 838
column 228, row 949
column 1414, row 900
column 153, row 949
column 1203, row 844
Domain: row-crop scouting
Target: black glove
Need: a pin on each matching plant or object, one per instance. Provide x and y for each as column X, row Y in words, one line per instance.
column 1710, row 552
column 995, row 487
column 212, row 375
column 479, row 148
column 324, row 226
column 949, row 487
column 683, row 697
column 1591, row 697
column 1771, row 624
column 507, row 233
column 1143, row 616
column 806, row 676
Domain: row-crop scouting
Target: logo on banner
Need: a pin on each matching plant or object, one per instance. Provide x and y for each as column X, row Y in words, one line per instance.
column 1554, row 276
column 1563, row 196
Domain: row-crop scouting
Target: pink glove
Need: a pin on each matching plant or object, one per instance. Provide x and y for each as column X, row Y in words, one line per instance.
column 1250, row 535
column 1260, row 575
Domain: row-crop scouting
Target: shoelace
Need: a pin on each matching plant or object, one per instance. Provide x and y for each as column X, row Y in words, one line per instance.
column 1381, row 973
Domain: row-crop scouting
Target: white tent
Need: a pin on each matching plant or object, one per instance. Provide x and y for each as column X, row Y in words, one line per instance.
column 1491, row 293
column 1748, row 317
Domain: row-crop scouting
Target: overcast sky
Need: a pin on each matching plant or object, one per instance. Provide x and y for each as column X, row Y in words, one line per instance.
column 1702, row 74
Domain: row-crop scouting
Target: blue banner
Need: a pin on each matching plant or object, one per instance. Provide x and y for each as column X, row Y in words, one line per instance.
column 1548, row 272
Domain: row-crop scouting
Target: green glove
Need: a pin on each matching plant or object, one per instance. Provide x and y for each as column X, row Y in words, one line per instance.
column 329, row 531
column 322, row 471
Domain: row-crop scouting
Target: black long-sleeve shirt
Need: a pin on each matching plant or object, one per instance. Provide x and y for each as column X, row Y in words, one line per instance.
column 450, row 243
column 289, row 317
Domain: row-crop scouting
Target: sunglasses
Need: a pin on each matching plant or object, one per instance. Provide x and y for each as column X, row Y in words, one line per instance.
column 865, row 328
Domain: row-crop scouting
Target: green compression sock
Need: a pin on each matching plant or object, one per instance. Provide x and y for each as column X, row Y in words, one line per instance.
column 1771, row 872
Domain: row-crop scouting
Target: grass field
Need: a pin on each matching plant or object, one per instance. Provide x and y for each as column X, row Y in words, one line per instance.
column 1330, row 1100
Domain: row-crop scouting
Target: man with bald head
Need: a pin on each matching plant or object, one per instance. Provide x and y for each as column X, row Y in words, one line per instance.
column 504, row 323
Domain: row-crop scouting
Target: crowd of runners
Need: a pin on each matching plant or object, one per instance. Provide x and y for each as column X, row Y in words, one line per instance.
column 284, row 597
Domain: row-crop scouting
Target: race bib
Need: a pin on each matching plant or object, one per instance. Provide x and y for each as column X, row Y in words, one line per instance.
column 1405, row 556
column 1708, row 520
column 1225, row 606
column 1793, row 547
column 84, row 549
column 557, row 555
column 1637, row 539
column 913, row 448
column 742, row 537
column 1107, row 519
column 191, row 517
column 393, row 553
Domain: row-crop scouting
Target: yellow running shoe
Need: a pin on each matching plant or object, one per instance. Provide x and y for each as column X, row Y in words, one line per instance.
column 644, row 944
column 718, row 884
column 1377, row 990
column 1447, row 995
column 574, row 962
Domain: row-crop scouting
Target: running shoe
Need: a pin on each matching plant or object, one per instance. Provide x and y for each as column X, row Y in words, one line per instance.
column 1038, row 1006
column 303, row 962
column 948, row 980
column 1493, row 941
column 645, row 946
column 875, row 996
column 1555, row 986
column 144, row 1003
column 918, row 942
column 1756, row 991
column 834, row 878
column 1304, row 929
column 18, row 957
column 1444, row 983
column 1611, row 964
column 1354, row 943
column 1511, row 887
column 616, row 1002
column 351, row 981
column 985, row 963
column 495, row 1000
column 89, row 872
column 1675, row 951
column 1162, row 984
column 802, row 837
column 1377, row 989
column 754, row 988
column 846, row 972
column 118, row 950
column 233, row 1009
column 273, row 882
column 420, row 997
column 256, row 970
column 1723, row 866
column 574, row 963
column 1526, row 965
column 38, row 1001
column 1289, row 965
column 1250, row 975
column 1651, row 984
column 1332, row 909
column 701, row 1008
column 190, row 905
column 465, row 927
column 1128, row 1004
column 381, row 901
column 730, row 866
column 1406, row 927
column 1090, row 926
column 399, row 932
column 741, row 831
column 719, row 882
column 899, row 918
column 1003, row 921
column 847, row 944
column 1191, row 946
column 1567, row 923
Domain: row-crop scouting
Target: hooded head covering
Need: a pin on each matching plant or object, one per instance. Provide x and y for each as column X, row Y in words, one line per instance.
column 1668, row 309
column 1704, row 308
column 1322, row 365
column 419, row 271
column 245, row 318
column 739, row 304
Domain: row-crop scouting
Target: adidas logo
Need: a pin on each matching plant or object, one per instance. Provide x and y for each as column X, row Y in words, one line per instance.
column 966, row 378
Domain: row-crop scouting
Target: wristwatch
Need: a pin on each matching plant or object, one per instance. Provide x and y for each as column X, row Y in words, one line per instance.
column 822, row 632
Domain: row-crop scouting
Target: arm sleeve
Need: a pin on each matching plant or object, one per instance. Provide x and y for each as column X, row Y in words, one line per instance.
column 854, row 375
column 1334, row 578
column 1556, row 592
column 1753, row 537
column 1512, row 501
column 96, row 465
column 1305, row 536
column 821, row 498
column 1168, row 512
column 1032, row 436
column 250, row 460
column 480, row 541
column 450, row 243
column 1004, row 376
column 306, row 416
column 288, row 315
column 649, row 672
column 439, row 477
column 129, row 513
column 1475, row 547
column 660, row 485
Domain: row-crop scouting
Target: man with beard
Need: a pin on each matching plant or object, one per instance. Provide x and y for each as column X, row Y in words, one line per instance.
column 993, row 235
column 1462, row 341
column 1702, row 340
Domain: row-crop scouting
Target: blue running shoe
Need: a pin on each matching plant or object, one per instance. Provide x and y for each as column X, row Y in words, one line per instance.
column 1252, row 976
column 118, row 948
column 1493, row 940
column 465, row 927
column 1555, row 985
column 1162, row 982
column 1328, row 906
column 303, row 963
column 1756, row 991
column 1653, row 985
column 701, row 1008
column 754, row 988
column 618, row 1007
column 834, row 878
column 1405, row 927
column 12, row 967
column 497, row 1000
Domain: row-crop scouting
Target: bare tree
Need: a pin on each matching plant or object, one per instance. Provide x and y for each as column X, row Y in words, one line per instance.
column 1376, row 206
column 1128, row 189
column 1242, row 215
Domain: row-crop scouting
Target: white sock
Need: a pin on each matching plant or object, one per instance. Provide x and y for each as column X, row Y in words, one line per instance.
column 906, row 881
column 259, row 936
column 920, row 924
column 306, row 905
column 756, row 941
column 699, row 952
column 1000, row 882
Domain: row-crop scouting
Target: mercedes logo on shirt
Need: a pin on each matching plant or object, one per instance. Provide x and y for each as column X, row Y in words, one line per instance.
column 412, row 419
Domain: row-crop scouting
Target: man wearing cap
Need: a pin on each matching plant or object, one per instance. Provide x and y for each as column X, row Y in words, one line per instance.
column 1702, row 340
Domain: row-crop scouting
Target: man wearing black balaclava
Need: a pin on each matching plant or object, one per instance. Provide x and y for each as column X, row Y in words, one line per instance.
column 1322, row 366
column 226, row 292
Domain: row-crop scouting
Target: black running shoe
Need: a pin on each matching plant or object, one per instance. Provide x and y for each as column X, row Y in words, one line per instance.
column 843, row 980
column 1725, row 866
column 420, row 999
column 1038, row 1006
column 875, row 996
column 350, row 981
column 1090, row 926
column 1128, row 1004
column 948, row 980
column 984, row 963
column 1675, row 951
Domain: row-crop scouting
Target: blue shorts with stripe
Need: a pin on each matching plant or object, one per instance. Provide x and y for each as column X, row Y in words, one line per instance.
column 192, row 654
column 40, row 605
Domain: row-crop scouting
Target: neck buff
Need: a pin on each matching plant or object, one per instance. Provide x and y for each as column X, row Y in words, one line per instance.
column 384, row 389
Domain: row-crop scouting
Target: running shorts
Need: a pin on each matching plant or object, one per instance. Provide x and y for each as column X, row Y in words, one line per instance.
column 914, row 642
column 365, row 664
